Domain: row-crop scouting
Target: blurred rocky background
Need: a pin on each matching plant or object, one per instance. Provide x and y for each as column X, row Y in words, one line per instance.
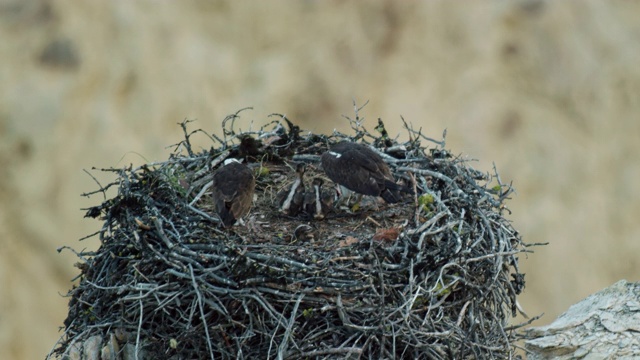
column 549, row 91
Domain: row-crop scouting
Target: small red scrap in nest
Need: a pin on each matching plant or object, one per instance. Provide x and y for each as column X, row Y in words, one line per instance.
column 390, row 234
column 347, row 241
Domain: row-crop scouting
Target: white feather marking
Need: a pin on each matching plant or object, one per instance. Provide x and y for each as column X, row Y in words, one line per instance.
column 318, row 203
column 287, row 203
column 230, row 160
column 337, row 155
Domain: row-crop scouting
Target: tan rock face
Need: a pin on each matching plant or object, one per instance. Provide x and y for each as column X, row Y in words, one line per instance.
column 548, row 91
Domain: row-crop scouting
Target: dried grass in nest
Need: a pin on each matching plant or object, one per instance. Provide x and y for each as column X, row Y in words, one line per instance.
column 435, row 276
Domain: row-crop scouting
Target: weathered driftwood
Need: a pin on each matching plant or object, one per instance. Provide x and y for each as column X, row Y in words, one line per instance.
column 605, row 325
column 94, row 349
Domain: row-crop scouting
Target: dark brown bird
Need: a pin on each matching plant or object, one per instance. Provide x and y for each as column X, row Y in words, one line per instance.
column 233, row 186
column 305, row 232
column 249, row 148
column 362, row 170
column 291, row 199
column 316, row 201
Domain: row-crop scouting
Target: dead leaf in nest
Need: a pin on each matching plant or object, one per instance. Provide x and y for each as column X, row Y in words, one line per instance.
column 390, row 234
column 184, row 184
column 347, row 241
column 142, row 225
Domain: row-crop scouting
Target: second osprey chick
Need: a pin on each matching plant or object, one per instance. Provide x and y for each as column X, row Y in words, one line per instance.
column 360, row 169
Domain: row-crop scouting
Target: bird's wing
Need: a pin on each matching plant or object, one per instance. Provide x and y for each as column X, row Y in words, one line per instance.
column 354, row 172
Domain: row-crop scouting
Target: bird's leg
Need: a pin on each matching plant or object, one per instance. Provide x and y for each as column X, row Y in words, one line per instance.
column 339, row 199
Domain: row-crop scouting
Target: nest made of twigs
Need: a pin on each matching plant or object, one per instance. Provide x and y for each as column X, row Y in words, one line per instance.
column 435, row 276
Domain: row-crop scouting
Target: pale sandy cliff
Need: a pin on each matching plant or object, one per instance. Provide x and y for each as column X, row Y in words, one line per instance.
column 549, row 91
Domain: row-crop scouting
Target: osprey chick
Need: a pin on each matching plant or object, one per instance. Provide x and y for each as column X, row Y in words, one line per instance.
column 317, row 202
column 233, row 186
column 362, row 170
column 290, row 200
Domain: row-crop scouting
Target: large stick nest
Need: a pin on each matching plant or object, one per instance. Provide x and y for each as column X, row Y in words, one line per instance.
column 435, row 276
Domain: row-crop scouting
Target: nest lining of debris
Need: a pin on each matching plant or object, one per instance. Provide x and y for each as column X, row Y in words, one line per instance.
column 434, row 276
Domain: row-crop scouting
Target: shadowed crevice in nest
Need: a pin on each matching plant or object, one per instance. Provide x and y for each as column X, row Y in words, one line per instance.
column 434, row 276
